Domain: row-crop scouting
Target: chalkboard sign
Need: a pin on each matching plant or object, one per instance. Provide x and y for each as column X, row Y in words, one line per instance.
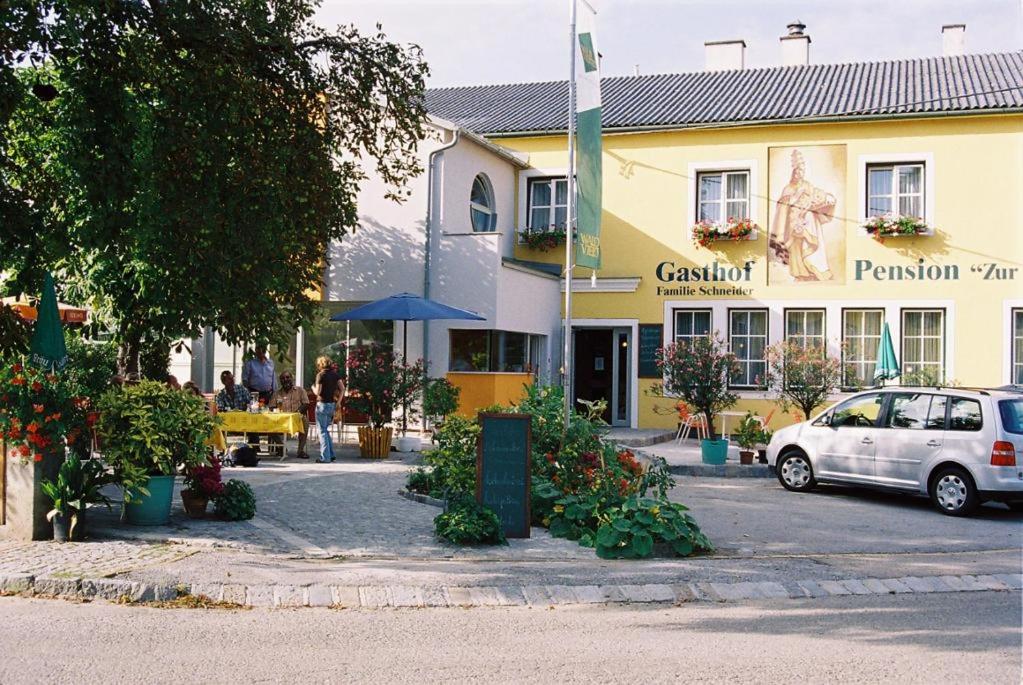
column 650, row 339
column 502, row 470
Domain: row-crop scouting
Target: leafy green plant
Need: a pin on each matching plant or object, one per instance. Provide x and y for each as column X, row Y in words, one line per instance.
column 236, row 502
column 697, row 372
column 78, row 484
column 148, row 429
column 420, row 480
column 467, row 522
column 749, row 433
column 440, row 398
column 632, row 530
column 453, row 462
column 803, row 376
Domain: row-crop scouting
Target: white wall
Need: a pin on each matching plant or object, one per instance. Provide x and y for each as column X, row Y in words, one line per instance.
column 531, row 303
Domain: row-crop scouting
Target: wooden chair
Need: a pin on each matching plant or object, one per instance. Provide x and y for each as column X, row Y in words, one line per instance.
column 688, row 421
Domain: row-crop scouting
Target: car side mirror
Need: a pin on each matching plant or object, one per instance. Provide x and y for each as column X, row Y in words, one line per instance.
column 825, row 420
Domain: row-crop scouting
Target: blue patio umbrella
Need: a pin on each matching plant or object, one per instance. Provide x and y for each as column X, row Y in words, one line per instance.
column 406, row 307
column 887, row 366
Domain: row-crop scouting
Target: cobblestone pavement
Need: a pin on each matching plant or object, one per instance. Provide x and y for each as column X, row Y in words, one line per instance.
column 350, row 508
column 82, row 559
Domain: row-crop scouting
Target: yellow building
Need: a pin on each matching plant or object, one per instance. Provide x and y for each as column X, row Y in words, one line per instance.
column 809, row 154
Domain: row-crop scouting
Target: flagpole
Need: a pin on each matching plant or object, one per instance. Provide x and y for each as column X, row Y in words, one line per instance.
column 570, row 229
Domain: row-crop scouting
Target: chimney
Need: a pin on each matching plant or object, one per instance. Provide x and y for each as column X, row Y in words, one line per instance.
column 953, row 39
column 795, row 47
column 724, row 54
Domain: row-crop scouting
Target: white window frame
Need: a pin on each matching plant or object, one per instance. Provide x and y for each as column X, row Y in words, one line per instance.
column 863, row 338
column 803, row 337
column 893, row 194
column 491, row 212
column 1016, row 364
column 898, row 159
column 756, row 193
column 943, row 336
column 724, row 200
column 675, row 336
column 833, row 321
column 552, row 182
column 1009, row 361
column 522, row 203
column 749, row 337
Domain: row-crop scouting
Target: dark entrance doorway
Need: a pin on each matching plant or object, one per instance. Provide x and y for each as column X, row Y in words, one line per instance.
column 594, row 367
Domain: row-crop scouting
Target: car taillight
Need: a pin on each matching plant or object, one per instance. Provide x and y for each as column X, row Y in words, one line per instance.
column 1003, row 454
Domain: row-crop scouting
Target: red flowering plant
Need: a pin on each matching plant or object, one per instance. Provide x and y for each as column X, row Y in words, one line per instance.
column 372, row 381
column 697, row 372
column 204, row 479
column 36, row 411
column 706, row 232
column 544, row 238
column 890, row 226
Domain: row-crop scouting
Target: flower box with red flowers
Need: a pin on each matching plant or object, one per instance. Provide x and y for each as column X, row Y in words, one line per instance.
column 35, row 411
column 707, row 232
column 543, row 238
column 891, row 226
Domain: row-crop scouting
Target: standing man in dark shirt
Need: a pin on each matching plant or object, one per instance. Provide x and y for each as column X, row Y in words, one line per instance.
column 328, row 388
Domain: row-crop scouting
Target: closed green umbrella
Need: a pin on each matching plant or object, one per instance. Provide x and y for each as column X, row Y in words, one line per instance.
column 887, row 366
column 48, row 349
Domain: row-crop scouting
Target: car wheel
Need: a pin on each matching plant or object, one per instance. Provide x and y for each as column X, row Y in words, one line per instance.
column 795, row 472
column 953, row 492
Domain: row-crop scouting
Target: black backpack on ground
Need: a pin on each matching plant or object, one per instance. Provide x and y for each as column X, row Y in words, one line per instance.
column 243, row 455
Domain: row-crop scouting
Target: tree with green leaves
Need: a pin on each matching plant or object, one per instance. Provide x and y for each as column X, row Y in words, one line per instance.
column 697, row 372
column 802, row 376
column 197, row 158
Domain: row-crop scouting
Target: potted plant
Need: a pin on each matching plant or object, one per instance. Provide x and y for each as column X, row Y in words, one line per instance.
column 371, row 385
column 697, row 372
column 440, row 398
column 408, row 391
column 748, row 436
column 150, row 432
column 77, row 485
column 202, row 483
column 802, row 376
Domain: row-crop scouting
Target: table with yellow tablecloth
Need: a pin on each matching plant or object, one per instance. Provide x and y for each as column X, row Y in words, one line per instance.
column 287, row 423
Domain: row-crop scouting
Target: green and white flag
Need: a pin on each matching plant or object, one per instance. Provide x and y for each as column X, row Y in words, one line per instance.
column 588, row 164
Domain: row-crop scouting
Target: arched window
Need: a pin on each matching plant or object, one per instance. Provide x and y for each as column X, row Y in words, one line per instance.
column 481, row 205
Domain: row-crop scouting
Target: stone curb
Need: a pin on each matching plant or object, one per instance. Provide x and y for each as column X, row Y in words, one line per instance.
column 400, row 596
column 422, row 499
column 729, row 470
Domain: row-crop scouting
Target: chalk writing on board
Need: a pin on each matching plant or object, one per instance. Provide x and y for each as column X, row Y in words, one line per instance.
column 502, row 470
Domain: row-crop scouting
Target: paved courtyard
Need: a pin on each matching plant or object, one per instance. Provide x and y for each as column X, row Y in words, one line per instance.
column 345, row 525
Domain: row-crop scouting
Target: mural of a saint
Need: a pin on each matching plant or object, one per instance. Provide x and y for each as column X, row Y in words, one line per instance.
column 797, row 232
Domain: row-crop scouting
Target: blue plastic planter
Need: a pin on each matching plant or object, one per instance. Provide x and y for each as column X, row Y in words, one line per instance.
column 154, row 509
column 714, row 451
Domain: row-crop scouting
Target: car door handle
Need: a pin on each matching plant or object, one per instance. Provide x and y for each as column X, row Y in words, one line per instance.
column 933, row 443
column 867, row 441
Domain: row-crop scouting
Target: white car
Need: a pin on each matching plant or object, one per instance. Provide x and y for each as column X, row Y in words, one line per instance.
column 960, row 447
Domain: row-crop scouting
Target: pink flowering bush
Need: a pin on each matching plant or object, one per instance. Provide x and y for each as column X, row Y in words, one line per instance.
column 697, row 372
column 378, row 383
column 204, row 479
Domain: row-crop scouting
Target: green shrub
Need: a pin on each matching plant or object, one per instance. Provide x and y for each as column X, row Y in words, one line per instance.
column 440, row 398
column 148, row 429
column 420, row 480
column 468, row 523
column 237, row 502
column 453, row 462
column 633, row 529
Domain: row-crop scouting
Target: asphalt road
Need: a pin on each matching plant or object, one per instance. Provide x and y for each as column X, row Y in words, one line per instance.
column 960, row 638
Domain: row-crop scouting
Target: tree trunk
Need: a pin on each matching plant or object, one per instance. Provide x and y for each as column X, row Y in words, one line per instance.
column 128, row 357
column 710, row 423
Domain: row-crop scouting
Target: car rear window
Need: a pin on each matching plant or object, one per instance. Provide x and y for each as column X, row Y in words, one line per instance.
column 965, row 415
column 1012, row 415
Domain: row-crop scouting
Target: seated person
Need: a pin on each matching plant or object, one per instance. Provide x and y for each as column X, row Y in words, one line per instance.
column 232, row 397
column 191, row 387
column 292, row 398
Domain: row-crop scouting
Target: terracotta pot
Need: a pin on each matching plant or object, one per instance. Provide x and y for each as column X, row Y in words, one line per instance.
column 375, row 443
column 746, row 456
column 195, row 505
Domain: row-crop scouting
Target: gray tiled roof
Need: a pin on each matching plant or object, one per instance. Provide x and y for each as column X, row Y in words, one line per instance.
column 817, row 91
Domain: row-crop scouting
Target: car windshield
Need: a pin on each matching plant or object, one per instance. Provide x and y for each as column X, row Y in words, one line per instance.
column 1012, row 415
